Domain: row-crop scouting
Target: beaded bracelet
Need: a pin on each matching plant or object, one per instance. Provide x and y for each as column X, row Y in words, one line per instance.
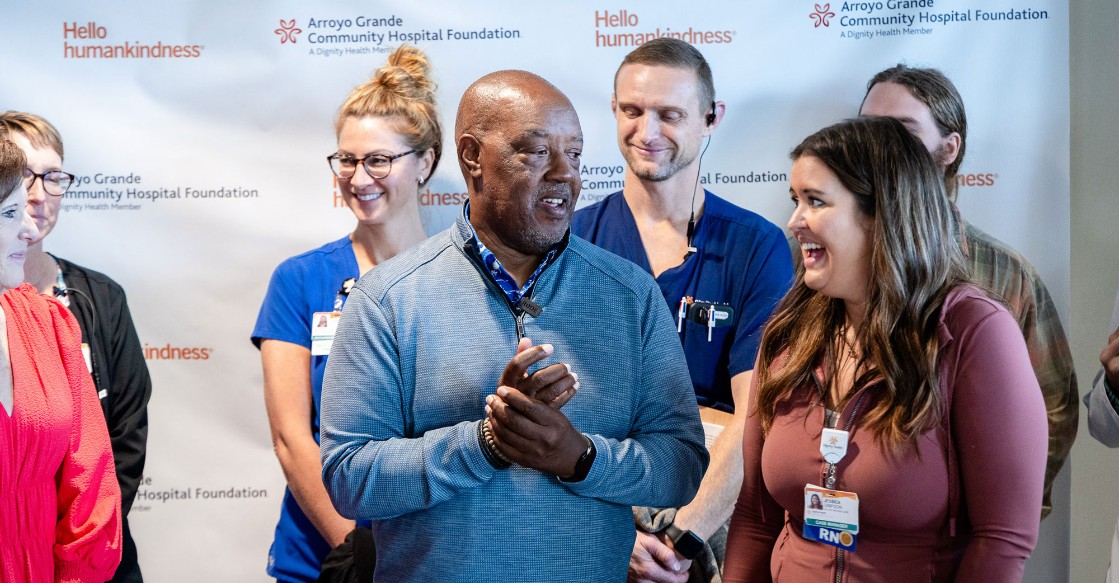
column 489, row 448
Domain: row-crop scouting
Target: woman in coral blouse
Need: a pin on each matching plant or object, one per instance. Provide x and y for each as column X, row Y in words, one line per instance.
column 887, row 386
column 59, row 499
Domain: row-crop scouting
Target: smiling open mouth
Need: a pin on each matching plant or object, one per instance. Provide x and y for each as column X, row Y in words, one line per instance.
column 813, row 252
column 368, row 197
column 554, row 202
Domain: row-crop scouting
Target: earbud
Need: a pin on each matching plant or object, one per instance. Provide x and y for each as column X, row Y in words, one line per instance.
column 711, row 116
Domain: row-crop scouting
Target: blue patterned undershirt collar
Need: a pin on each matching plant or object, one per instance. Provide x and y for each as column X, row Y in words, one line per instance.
column 495, row 269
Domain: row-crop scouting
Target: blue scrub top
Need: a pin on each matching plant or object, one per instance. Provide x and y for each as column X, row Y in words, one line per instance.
column 743, row 260
column 301, row 286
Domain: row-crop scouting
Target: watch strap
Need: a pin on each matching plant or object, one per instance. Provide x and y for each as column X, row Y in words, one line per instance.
column 684, row 541
column 584, row 463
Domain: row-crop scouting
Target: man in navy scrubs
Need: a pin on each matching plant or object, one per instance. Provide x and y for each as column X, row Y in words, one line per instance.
column 721, row 268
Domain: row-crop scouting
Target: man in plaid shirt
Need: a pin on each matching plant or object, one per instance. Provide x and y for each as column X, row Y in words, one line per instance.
column 928, row 104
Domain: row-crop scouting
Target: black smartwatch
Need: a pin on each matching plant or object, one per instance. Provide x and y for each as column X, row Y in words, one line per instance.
column 684, row 541
column 584, row 463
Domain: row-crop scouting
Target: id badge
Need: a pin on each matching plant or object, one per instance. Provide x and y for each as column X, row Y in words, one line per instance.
column 88, row 357
column 323, row 327
column 714, row 422
column 831, row 517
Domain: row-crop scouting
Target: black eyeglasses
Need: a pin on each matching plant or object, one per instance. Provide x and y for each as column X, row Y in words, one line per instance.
column 55, row 182
column 376, row 165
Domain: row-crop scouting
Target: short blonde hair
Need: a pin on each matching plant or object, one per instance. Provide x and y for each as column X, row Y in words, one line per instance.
column 37, row 130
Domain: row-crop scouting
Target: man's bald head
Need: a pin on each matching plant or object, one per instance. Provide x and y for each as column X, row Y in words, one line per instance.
column 491, row 100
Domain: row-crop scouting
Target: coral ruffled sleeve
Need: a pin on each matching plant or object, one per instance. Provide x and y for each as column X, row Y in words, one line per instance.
column 88, row 533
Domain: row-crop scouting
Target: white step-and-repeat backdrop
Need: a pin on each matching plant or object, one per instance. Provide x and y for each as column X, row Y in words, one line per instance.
column 199, row 131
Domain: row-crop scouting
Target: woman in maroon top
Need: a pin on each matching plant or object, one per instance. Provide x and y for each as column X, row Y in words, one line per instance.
column 935, row 422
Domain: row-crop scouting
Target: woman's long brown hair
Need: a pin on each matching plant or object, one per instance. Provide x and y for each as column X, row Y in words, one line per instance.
column 915, row 261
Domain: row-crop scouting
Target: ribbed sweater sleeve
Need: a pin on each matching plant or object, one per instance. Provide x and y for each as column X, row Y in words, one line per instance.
column 664, row 458
column 370, row 467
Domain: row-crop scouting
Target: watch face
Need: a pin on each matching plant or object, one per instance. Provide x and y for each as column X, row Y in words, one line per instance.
column 688, row 544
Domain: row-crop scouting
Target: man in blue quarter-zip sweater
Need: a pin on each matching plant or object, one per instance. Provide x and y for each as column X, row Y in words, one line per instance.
column 472, row 465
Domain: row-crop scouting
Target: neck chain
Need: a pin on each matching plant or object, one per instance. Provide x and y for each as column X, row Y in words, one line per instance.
column 845, row 343
column 846, row 355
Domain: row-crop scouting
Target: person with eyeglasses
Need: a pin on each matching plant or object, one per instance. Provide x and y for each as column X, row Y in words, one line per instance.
column 113, row 353
column 389, row 144
column 59, row 504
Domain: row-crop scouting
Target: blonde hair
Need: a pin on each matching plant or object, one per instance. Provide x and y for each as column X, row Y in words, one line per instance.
column 37, row 130
column 401, row 90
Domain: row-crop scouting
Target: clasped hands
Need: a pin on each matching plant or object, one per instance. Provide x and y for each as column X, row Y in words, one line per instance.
column 524, row 414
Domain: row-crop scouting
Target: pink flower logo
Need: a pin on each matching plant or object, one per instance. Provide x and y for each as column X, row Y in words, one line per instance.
column 821, row 16
column 287, row 31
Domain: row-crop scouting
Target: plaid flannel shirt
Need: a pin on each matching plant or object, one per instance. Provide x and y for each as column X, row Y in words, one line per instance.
column 1008, row 276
